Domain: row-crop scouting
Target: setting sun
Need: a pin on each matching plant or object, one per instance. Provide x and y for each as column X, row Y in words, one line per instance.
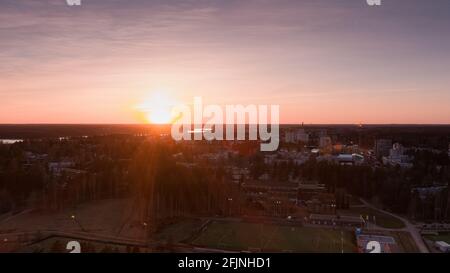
column 157, row 108
column 159, row 116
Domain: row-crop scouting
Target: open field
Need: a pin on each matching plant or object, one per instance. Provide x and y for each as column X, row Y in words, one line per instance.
column 268, row 237
column 381, row 219
column 110, row 217
column 405, row 241
column 443, row 236
column 179, row 231
column 58, row 245
column 102, row 217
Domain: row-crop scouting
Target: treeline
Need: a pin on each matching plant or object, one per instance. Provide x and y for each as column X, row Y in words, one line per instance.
column 163, row 188
column 392, row 187
column 111, row 167
column 389, row 186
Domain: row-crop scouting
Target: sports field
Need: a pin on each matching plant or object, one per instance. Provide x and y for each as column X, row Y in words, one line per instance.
column 179, row 231
column 443, row 236
column 278, row 238
column 381, row 219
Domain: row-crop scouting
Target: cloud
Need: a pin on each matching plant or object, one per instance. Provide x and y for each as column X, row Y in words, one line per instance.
column 297, row 49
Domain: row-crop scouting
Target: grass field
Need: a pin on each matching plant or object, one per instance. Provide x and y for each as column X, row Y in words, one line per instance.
column 405, row 241
column 58, row 245
column 382, row 219
column 441, row 237
column 178, row 231
column 267, row 237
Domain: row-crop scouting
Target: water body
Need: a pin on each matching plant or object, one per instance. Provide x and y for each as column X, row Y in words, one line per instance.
column 10, row 141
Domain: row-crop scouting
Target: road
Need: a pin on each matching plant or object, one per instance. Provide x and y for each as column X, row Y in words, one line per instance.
column 409, row 227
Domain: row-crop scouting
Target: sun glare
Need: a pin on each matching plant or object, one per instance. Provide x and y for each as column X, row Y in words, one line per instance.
column 159, row 116
column 157, row 108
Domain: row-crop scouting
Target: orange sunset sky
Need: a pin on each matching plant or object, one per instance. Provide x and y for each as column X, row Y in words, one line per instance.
column 322, row 61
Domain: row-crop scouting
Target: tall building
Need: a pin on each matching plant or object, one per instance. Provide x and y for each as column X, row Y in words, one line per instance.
column 397, row 150
column 382, row 147
column 397, row 157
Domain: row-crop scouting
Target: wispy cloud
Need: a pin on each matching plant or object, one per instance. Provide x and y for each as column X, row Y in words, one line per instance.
column 116, row 50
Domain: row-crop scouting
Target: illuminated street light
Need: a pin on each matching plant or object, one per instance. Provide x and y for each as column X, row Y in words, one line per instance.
column 78, row 222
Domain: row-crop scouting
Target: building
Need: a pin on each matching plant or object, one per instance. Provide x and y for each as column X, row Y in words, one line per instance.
column 276, row 199
column 397, row 157
column 58, row 167
column 351, row 149
column 350, row 159
column 382, row 147
column 296, row 136
column 272, row 190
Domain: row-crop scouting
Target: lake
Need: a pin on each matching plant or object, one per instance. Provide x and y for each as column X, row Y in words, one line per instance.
column 10, row 141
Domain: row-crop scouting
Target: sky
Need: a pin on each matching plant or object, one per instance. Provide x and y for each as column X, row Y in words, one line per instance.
column 322, row 61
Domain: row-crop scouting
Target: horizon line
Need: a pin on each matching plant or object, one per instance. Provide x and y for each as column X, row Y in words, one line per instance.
column 299, row 124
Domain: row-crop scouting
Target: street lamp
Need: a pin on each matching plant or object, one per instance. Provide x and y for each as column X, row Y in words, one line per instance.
column 78, row 222
column 229, row 205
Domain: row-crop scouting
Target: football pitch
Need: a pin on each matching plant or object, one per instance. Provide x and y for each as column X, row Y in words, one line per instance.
column 277, row 238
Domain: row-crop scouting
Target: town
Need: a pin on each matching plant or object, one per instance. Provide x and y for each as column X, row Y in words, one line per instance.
column 125, row 188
